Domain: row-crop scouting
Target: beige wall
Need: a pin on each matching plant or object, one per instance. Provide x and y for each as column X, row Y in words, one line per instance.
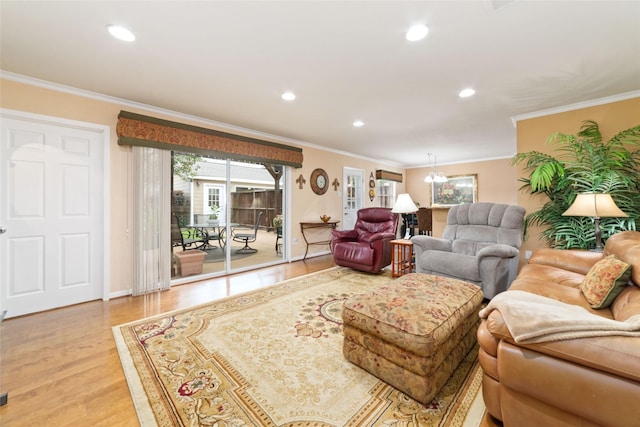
column 532, row 134
column 496, row 183
column 306, row 205
column 497, row 179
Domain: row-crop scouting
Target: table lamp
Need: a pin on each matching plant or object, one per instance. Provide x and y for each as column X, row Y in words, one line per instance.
column 404, row 205
column 595, row 205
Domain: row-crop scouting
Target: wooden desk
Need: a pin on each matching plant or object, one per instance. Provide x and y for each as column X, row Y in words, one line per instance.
column 401, row 257
column 317, row 224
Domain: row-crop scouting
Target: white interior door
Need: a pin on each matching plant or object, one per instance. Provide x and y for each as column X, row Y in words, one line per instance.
column 52, row 192
column 353, row 196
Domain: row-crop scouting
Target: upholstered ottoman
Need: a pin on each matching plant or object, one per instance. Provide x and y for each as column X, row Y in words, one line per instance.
column 413, row 331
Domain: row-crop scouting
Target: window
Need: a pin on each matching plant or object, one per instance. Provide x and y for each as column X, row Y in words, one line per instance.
column 213, row 197
column 385, row 193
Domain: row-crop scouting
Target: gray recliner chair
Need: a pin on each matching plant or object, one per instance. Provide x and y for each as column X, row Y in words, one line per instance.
column 480, row 244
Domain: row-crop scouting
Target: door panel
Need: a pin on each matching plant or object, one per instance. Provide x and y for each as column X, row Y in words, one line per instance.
column 52, row 193
column 215, row 194
column 353, row 197
column 25, row 281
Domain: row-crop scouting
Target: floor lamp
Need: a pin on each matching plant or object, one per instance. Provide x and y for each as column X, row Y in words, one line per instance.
column 595, row 205
column 404, row 205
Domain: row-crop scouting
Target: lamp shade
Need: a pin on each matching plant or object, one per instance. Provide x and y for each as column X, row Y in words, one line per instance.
column 598, row 205
column 404, row 204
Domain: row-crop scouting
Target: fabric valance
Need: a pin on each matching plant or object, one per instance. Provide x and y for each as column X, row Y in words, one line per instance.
column 389, row 176
column 136, row 129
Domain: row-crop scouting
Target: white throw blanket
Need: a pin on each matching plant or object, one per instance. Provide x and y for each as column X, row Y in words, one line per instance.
column 532, row 318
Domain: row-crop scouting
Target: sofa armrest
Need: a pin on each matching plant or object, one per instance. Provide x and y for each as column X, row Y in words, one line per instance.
column 425, row 243
column 376, row 236
column 498, row 250
column 572, row 260
column 617, row 355
column 344, row 235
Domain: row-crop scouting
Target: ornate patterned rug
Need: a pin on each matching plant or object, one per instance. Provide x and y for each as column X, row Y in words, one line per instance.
column 273, row 357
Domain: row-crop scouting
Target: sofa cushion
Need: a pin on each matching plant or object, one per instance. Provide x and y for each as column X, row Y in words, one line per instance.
column 466, row 247
column 464, row 267
column 355, row 252
column 606, row 279
column 565, row 294
column 554, row 275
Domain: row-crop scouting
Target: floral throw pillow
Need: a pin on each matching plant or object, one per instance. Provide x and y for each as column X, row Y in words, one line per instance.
column 604, row 281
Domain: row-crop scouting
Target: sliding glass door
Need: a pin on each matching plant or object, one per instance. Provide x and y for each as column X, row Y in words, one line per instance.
column 255, row 201
column 230, row 211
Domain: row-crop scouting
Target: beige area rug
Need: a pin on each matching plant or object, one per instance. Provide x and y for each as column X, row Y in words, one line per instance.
column 273, row 357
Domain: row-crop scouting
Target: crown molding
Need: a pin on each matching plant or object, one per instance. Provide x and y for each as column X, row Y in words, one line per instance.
column 576, row 106
column 226, row 127
column 149, row 108
column 484, row 159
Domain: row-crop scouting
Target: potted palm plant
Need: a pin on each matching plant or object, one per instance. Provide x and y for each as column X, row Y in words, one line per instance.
column 583, row 163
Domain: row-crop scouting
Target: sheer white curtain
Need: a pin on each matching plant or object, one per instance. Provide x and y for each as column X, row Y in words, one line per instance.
column 152, row 254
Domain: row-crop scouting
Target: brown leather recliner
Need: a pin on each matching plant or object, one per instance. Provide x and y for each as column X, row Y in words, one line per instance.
column 580, row 381
column 366, row 247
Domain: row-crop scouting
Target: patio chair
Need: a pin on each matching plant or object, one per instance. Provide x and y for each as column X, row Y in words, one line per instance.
column 210, row 231
column 178, row 237
column 248, row 236
column 277, row 223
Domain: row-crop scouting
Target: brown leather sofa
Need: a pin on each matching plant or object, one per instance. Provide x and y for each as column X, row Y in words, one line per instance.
column 581, row 381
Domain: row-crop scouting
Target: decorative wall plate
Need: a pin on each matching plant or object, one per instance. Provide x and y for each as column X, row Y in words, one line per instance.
column 319, row 181
column 372, row 187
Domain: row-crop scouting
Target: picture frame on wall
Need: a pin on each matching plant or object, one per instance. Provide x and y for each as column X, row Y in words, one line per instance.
column 457, row 190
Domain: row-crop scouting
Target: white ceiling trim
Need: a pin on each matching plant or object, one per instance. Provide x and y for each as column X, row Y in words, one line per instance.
column 484, row 159
column 150, row 108
column 576, row 106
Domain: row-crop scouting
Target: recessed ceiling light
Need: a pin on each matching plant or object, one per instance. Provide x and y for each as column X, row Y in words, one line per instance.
column 288, row 96
column 121, row 33
column 417, row 32
column 465, row 93
column 358, row 123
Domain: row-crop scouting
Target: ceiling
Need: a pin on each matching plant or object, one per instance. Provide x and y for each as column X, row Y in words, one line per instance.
column 229, row 62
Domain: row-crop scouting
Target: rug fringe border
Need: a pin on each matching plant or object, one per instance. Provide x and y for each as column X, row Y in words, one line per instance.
column 136, row 389
column 142, row 405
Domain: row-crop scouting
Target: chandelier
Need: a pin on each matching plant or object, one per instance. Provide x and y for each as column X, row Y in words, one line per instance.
column 435, row 176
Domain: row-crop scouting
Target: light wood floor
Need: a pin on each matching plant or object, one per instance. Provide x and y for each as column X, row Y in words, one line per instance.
column 61, row 367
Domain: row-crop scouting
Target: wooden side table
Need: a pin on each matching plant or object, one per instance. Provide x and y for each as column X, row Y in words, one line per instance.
column 401, row 257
